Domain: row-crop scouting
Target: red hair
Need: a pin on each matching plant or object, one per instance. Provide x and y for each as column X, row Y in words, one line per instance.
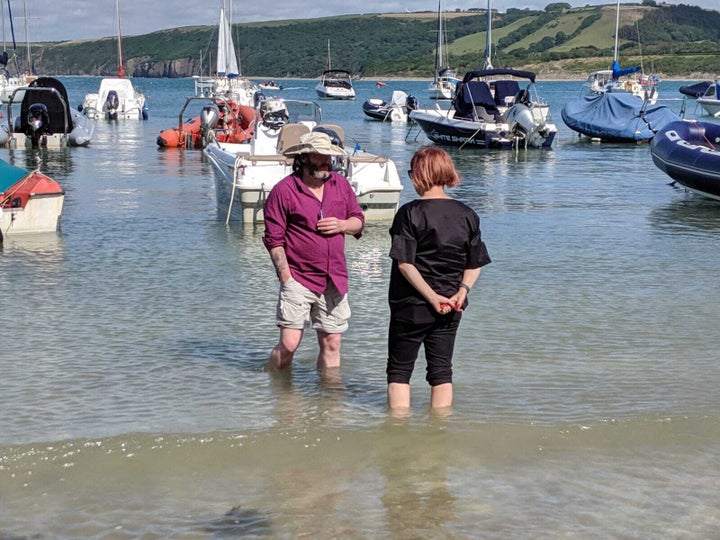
column 433, row 166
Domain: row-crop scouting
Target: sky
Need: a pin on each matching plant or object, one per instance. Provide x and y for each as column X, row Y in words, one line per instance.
column 60, row 20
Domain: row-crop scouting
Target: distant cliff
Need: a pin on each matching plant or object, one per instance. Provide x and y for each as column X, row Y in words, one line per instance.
column 676, row 41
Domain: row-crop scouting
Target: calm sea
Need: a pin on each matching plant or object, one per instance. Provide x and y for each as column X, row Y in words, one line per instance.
column 136, row 403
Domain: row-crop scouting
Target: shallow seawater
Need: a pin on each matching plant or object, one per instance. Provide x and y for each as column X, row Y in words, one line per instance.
column 136, row 400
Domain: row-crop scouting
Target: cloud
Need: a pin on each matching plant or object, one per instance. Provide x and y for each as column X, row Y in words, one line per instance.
column 78, row 19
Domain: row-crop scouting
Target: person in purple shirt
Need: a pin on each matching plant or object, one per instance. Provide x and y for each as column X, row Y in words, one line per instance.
column 307, row 215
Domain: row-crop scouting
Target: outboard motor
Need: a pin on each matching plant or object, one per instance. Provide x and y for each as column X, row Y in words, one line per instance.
column 37, row 122
column 209, row 120
column 112, row 104
column 411, row 103
column 334, row 137
column 274, row 113
column 523, row 124
column 209, row 117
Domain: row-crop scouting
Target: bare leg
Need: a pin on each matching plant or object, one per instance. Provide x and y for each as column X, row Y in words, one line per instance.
column 329, row 356
column 398, row 395
column 441, row 395
column 282, row 355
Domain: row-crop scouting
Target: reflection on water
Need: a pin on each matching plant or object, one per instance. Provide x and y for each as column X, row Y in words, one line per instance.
column 136, row 399
column 689, row 214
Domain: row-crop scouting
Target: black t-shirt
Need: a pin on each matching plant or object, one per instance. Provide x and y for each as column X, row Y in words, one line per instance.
column 442, row 238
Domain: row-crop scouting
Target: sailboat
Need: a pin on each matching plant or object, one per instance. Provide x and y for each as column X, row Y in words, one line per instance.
column 615, row 110
column 9, row 83
column 117, row 97
column 334, row 83
column 445, row 79
column 616, row 78
column 228, row 83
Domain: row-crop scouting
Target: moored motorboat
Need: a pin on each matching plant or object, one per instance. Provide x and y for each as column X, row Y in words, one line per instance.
column 245, row 173
column 491, row 110
column 225, row 121
column 270, row 86
column 335, row 84
column 30, row 202
column 117, row 98
column 689, row 152
column 394, row 111
column 43, row 118
column 616, row 117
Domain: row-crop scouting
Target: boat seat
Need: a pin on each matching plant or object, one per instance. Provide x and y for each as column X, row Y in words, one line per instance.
column 290, row 135
column 334, row 127
column 505, row 92
column 474, row 99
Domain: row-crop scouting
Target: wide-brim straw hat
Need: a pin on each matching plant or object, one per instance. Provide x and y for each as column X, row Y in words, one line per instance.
column 315, row 142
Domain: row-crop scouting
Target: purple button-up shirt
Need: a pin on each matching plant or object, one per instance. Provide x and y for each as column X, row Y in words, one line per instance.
column 291, row 214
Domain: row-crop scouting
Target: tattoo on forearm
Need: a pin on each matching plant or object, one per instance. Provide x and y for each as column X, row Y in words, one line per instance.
column 279, row 260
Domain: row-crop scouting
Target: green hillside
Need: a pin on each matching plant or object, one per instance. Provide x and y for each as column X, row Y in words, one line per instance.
column 558, row 41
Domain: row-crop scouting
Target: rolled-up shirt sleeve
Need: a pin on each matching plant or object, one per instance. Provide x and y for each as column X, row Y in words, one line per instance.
column 275, row 221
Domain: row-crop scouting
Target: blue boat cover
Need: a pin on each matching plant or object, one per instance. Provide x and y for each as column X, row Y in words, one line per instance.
column 616, row 116
column 10, row 175
column 620, row 72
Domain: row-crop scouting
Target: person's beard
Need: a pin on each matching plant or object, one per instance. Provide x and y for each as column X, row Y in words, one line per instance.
column 321, row 172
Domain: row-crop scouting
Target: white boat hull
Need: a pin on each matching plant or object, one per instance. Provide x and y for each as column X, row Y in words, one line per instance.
column 710, row 106
column 41, row 214
column 374, row 180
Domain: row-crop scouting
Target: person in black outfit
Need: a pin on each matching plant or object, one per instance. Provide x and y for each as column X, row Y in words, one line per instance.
column 437, row 252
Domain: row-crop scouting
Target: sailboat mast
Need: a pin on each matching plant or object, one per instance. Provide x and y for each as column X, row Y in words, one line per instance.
column 488, row 37
column 27, row 37
column 121, row 68
column 328, row 64
column 617, row 26
column 12, row 31
column 438, row 42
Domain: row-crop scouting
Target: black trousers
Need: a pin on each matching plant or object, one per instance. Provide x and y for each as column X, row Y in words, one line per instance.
column 404, row 340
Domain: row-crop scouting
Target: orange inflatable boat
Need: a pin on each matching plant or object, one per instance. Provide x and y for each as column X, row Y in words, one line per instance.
column 228, row 122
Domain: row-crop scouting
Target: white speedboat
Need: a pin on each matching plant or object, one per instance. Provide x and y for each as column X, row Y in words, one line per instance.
column 30, row 202
column 245, row 173
column 710, row 100
column 491, row 110
column 40, row 115
column 117, row 98
column 335, row 84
